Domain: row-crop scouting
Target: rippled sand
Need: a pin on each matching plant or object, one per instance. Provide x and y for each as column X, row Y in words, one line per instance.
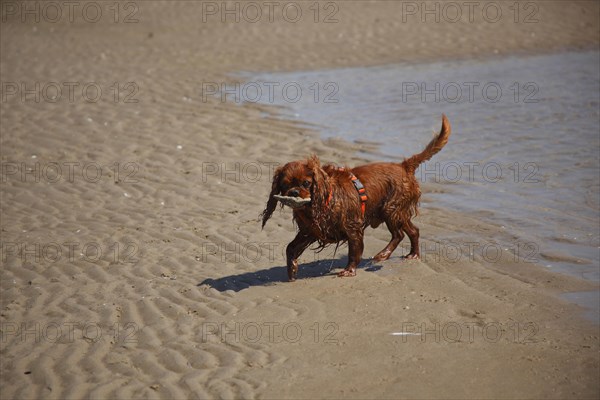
column 145, row 274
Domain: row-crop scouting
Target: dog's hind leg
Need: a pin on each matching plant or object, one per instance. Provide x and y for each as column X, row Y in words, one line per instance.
column 413, row 234
column 397, row 236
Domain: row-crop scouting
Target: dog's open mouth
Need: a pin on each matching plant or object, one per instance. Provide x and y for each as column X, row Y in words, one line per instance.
column 293, row 202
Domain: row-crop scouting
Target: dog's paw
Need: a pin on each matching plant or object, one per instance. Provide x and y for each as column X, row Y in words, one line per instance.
column 382, row 256
column 347, row 273
column 412, row 257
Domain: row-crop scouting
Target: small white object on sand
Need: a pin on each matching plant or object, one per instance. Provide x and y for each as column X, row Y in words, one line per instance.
column 405, row 334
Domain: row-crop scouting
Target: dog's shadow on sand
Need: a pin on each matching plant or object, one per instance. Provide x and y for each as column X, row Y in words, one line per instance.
column 274, row 275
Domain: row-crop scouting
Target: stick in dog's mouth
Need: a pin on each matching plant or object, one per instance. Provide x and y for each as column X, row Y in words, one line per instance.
column 293, row 202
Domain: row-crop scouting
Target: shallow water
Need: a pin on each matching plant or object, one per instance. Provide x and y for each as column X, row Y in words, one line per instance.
column 590, row 300
column 524, row 152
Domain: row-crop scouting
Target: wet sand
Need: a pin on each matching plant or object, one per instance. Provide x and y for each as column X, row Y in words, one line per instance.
column 145, row 274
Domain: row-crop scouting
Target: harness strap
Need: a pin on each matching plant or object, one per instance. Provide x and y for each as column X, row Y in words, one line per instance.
column 362, row 192
column 360, row 188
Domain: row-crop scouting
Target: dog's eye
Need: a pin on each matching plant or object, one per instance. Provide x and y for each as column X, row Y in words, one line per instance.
column 306, row 184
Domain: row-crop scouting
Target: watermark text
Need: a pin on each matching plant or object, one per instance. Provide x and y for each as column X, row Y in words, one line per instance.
column 69, row 171
column 271, row 92
column 71, row 251
column 70, row 11
column 69, row 92
column 526, row 12
column 269, row 332
column 468, row 332
column 67, row 332
column 270, row 11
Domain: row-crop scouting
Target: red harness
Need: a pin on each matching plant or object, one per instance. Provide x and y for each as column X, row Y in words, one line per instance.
column 360, row 188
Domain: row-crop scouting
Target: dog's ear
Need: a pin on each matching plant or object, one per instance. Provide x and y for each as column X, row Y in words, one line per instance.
column 320, row 189
column 272, row 201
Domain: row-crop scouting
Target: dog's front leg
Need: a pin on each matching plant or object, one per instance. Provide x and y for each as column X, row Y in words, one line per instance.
column 294, row 250
column 355, row 251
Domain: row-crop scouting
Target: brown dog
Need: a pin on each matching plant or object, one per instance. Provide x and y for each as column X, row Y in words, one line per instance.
column 340, row 210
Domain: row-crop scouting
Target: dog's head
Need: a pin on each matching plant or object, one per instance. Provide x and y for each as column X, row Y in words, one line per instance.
column 305, row 179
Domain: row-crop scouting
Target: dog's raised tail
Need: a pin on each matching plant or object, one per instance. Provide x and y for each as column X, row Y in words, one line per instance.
column 436, row 144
